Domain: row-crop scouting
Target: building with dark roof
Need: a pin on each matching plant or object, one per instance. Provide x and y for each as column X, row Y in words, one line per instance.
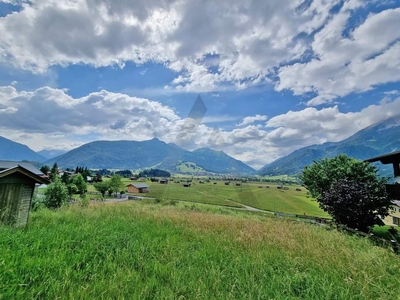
column 17, row 184
column 138, row 188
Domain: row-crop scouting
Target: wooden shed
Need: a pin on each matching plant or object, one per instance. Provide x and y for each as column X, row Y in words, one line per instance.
column 138, row 188
column 164, row 181
column 17, row 184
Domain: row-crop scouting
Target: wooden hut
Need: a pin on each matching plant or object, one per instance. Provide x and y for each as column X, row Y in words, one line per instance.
column 164, row 181
column 17, row 184
column 138, row 188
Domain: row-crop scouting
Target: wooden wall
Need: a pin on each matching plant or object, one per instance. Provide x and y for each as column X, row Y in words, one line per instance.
column 16, row 191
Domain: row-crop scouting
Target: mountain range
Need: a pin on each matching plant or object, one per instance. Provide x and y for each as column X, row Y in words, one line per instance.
column 10, row 150
column 377, row 139
column 374, row 140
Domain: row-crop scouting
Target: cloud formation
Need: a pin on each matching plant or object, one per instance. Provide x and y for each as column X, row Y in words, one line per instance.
column 322, row 47
column 50, row 118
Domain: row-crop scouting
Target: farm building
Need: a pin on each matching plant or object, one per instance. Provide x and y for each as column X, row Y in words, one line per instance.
column 138, row 188
column 227, row 183
column 17, row 184
column 186, row 184
column 164, row 181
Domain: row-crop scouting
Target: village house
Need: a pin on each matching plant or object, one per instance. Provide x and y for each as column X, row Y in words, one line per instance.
column 138, row 188
column 393, row 190
column 17, row 184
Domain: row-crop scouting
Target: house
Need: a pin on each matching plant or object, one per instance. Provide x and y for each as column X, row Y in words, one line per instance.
column 164, row 181
column 393, row 190
column 394, row 159
column 138, row 188
column 186, row 184
column 393, row 219
column 17, row 184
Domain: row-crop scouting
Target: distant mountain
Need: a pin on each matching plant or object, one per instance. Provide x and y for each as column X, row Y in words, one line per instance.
column 10, row 150
column 50, row 153
column 374, row 140
column 148, row 154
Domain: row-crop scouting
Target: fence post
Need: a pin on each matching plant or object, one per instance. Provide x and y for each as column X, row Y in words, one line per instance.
column 395, row 246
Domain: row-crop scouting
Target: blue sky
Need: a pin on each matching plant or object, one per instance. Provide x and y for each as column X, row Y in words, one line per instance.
column 274, row 75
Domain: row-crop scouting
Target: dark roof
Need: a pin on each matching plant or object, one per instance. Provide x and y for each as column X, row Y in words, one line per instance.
column 26, row 172
column 389, row 158
column 139, row 185
column 7, row 164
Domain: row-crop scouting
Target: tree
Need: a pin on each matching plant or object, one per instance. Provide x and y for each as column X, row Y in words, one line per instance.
column 56, row 194
column 319, row 177
column 72, row 189
column 356, row 204
column 348, row 189
column 53, row 172
column 102, row 187
column 116, row 184
column 65, row 178
column 44, row 169
column 80, row 183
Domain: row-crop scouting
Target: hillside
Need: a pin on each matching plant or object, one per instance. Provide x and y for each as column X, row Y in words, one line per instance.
column 377, row 139
column 134, row 250
column 10, row 150
column 50, row 153
column 148, row 154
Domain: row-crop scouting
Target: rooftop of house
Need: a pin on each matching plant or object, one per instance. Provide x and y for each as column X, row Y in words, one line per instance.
column 396, row 202
column 26, row 172
column 139, row 185
column 8, row 164
column 389, row 158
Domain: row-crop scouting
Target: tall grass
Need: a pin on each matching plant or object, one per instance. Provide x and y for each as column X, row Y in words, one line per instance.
column 146, row 251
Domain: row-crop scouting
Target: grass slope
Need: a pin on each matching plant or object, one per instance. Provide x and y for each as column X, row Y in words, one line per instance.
column 272, row 199
column 137, row 251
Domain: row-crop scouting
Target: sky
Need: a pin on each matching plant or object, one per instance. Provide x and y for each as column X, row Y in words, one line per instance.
column 273, row 76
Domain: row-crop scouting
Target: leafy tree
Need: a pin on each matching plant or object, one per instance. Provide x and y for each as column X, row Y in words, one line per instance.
column 102, row 187
column 56, row 194
column 116, row 184
column 72, row 189
column 80, row 184
column 65, row 178
column 356, row 204
column 44, row 169
column 348, row 189
column 319, row 177
column 53, row 172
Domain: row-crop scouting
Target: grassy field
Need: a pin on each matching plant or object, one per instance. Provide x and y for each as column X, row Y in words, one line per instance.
column 272, row 199
column 133, row 250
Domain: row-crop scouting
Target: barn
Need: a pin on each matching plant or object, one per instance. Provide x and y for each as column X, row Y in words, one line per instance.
column 17, row 184
column 164, row 181
column 138, row 188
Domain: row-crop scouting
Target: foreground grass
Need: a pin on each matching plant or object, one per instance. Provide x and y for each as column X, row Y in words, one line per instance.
column 137, row 251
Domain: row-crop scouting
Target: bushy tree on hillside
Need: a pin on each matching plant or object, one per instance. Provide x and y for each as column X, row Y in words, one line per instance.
column 53, row 172
column 102, row 187
column 56, row 194
column 349, row 190
column 116, row 184
column 356, row 204
column 44, row 169
column 80, row 184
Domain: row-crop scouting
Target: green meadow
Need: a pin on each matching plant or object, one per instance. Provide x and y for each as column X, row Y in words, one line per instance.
column 271, row 199
column 134, row 250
